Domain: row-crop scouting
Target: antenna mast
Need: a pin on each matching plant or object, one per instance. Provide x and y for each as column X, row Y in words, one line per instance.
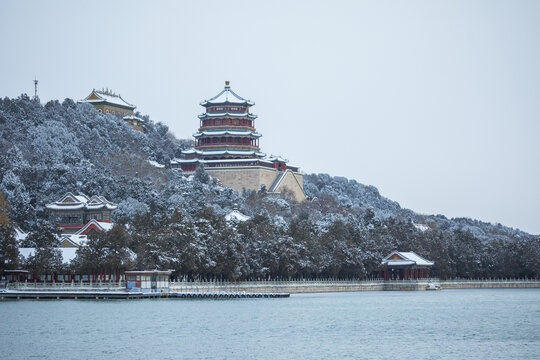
column 35, row 88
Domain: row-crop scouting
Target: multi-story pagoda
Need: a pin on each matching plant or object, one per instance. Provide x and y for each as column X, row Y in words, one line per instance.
column 227, row 145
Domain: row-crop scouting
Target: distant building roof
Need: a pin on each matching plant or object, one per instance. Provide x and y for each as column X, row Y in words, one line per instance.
column 75, row 202
column 106, row 96
column 401, row 258
column 75, row 239
column 227, row 96
column 98, row 225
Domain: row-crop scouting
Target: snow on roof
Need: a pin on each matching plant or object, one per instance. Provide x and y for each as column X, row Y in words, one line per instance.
column 81, row 201
column 108, row 97
column 417, row 258
column 78, row 240
column 227, row 114
column 68, row 254
column 133, row 117
column 227, row 96
column 278, row 158
column 222, row 152
column 202, row 161
column 65, row 207
column 82, row 198
column 227, row 132
column 156, row 164
column 406, row 258
column 236, row 215
column 230, row 160
column 101, row 225
column 186, row 161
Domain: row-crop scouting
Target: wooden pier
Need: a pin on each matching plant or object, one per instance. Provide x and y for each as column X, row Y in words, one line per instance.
column 111, row 295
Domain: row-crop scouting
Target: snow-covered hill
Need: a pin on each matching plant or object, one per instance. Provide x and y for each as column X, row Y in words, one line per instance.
column 199, row 228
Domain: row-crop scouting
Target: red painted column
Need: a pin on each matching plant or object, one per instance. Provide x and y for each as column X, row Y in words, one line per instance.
column 427, row 273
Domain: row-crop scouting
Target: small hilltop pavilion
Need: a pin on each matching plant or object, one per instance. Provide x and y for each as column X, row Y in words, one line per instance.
column 107, row 102
column 227, row 146
column 408, row 265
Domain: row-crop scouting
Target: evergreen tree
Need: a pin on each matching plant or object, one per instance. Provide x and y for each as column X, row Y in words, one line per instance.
column 46, row 258
column 9, row 252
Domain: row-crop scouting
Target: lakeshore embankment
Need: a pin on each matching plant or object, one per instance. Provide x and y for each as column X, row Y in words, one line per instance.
column 302, row 287
column 249, row 289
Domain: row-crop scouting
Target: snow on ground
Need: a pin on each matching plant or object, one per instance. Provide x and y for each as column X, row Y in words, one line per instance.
column 236, row 215
column 19, row 234
column 156, row 164
column 421, row 227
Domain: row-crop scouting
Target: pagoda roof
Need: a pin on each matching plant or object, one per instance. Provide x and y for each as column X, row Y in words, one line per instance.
column 401, row 258
column 106, row 96
column 227, row 96
column 227, row 132
column 202, row 161
column 223, row 152
column 99, row 225
column 227, row 114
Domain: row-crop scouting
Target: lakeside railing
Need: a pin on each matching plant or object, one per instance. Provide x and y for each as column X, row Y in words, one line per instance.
column 78, row 285
column 257, row 285
column 282, row 285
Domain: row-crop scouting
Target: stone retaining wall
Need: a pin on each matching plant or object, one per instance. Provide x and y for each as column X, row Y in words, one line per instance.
column 489, row 284
column 300, row 287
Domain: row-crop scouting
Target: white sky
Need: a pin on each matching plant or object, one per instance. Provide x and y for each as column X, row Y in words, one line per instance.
column 437, row 103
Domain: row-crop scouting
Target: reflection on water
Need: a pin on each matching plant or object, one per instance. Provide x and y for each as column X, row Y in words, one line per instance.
column 448, row 324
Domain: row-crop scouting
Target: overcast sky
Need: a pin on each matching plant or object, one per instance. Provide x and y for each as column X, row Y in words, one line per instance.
column 436, row 103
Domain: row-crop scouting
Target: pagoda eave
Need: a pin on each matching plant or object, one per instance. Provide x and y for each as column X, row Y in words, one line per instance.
column 208, row 103
column 228, row 133
column 227, row 115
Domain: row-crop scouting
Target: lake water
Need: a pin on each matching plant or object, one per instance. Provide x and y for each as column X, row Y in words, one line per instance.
column 448, row 324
